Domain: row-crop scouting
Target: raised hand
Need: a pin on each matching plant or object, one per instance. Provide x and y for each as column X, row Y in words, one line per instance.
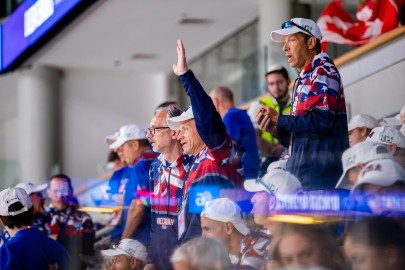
column 181, row 67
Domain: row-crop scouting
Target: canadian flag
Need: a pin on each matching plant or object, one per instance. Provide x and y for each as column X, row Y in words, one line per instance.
column 373, row 18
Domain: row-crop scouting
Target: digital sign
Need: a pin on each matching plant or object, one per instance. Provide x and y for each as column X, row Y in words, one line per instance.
column 29, row 23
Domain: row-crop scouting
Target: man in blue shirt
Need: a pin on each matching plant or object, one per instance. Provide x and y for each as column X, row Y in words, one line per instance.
column 239, row 128
column 28, row 248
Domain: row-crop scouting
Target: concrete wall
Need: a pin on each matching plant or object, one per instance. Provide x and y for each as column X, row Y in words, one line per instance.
column 93, row 104
column 375, row 82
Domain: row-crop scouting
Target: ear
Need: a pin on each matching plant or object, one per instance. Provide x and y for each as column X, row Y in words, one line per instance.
column 363, row 132
column 393, row 148
column 132, row 262
column 272, row 203
column 229, row 228
column 174, row 134
column 311, row 43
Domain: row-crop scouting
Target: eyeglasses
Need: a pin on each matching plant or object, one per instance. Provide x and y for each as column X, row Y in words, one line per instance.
column 153, row 130
column 290, row 24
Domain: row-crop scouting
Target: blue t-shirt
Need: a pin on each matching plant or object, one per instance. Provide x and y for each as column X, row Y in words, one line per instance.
column 241, row 130
column 137, row 187
column 30, row 249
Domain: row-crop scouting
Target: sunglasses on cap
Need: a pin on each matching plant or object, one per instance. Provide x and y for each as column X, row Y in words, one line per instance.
column 290, row 24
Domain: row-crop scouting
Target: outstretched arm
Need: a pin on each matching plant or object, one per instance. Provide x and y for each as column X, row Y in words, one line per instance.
column 208, row 121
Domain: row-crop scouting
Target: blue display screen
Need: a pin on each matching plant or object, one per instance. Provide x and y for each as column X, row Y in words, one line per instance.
column 1, row 51
column 28, row 23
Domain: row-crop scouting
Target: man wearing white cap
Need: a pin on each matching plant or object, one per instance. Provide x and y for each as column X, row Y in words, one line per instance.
column 316, row 130
column 356, row 158
column 391, row 138
column 39, row 222
column 221, row 219
column 28, row 248
column 271, row 188
column 167, row 175
column 360, row 126
column 132, row 182
column 381, row 185
column 129, row 254
column 277, row 80
column 203, row 135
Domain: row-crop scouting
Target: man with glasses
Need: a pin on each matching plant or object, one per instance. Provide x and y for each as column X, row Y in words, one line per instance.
column 69, row 226
column 316, row 131
column 131, row 144
column 167, row 175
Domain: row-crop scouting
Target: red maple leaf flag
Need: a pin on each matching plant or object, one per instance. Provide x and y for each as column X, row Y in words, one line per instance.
column 373, row 18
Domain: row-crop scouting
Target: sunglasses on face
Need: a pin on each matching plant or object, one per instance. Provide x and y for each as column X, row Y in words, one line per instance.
column 290, row 24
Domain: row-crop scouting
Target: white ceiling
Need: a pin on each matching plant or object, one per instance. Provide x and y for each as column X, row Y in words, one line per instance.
column 108, row 34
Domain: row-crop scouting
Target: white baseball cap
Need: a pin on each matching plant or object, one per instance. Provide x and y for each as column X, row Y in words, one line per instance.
column 13, row 195
column 225, row 210
column 278, row 164
column 276, row 182
column 384, row 172
column 392, row 122
column 128, row 247
column 362, row 152
column 296, row 25
column 387, row 135
column 275, row 68
column 125, row 133
column 32, row 188
column 362, row 120
column 174, row 122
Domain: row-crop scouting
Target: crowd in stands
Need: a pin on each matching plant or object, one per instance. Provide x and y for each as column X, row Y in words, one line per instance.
column 291, row 184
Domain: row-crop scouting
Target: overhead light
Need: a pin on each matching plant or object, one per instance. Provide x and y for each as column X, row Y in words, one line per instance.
column 144, row 56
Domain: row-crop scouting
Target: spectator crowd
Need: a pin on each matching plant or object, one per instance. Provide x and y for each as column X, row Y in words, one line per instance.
column 288, row 184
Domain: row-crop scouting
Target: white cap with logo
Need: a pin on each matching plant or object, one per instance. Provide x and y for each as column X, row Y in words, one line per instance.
column 225, row 210
column 362, row 152
column 128, row 247
column 384, row 172
column 276, row 182
column 294, row 26
column 362, row 120
column 174, row 122
column 387, row 135
column 13, row 195
column 125, row 133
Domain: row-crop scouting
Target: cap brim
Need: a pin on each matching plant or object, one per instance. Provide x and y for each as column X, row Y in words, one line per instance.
column 113, row 252
column 343, row 182
column 117, row 143
column 110, row 139
column 278, row 35
column 39, row 188
column 242, row 228
column 383, row 182
column 174, row 122
column 253, row 186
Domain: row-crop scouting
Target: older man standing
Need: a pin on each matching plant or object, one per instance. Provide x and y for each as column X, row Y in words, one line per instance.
column 203, row 135
column 316, row 131
column 167, row 175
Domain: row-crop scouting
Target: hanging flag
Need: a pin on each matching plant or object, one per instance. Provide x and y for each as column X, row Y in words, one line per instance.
column 373, row 18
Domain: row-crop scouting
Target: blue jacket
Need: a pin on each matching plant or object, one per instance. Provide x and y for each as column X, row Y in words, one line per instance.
column 211, row 170
column 241, row 130
column 317, row 126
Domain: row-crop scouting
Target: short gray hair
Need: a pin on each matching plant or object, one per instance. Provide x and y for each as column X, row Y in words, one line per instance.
column 203, row 254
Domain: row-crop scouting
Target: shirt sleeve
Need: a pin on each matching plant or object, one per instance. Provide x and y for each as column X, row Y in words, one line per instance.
column 208, row 121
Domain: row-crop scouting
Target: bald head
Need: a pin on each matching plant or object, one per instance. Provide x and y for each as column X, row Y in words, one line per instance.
column 223, row 93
